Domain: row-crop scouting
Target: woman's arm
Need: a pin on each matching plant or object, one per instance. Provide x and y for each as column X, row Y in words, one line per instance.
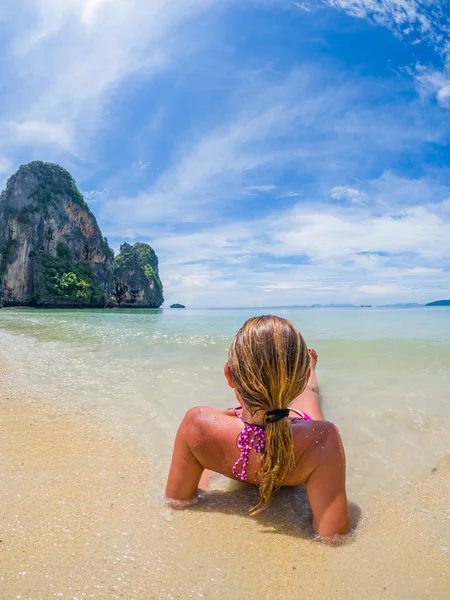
column 325, row 487
column 185, row 470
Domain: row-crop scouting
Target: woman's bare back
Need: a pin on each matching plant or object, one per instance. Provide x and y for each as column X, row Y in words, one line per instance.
column 207, row 440
column 216, row 446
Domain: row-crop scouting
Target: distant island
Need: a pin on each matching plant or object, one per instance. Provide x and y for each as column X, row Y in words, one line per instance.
column 404, row 305
column 176, row 305
column 53, row 254
column 439, row 303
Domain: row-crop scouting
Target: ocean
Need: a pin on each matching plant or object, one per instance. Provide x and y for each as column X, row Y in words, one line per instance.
column 384, row 378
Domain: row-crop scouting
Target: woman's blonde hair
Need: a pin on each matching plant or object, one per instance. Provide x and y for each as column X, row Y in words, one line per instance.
column 269, row 364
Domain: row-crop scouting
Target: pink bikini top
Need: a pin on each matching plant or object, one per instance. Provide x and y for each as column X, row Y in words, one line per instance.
column 254, row 436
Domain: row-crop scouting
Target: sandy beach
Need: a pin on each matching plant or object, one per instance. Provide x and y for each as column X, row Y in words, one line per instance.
column 80, row 519
column 68, row 490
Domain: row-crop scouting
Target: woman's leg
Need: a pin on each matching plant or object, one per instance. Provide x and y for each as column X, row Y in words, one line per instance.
column 308, row 401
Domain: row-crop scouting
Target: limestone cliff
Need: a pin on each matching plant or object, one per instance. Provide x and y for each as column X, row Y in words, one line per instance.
column 52, row 252
column 137, row 265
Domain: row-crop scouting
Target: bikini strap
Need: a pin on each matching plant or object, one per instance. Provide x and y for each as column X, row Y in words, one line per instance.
column 235, row 410
column 299, row 413
column 252, row 437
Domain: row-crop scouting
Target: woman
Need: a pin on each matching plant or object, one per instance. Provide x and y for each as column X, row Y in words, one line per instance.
column 272, row 374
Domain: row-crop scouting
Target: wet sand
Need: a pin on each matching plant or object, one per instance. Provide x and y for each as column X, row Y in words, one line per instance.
column 79, row 518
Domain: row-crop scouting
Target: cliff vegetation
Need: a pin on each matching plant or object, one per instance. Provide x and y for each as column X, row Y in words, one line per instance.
column 138, row 266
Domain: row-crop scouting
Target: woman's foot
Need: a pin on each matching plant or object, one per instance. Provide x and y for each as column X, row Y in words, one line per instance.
column 312, row 381
column 312, row 358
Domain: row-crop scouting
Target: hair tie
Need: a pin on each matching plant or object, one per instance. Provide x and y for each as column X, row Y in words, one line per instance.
column 272, row 416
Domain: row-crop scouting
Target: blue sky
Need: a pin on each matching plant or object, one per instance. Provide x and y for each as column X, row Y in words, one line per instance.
column 271, row 152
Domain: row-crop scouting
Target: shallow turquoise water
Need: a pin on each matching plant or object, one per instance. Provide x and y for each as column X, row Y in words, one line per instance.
column 383, row 373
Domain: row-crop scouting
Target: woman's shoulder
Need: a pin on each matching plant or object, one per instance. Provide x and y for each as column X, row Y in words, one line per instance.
column 205, row 412
column 198, row 416
column 311, row 433
column 202, row 424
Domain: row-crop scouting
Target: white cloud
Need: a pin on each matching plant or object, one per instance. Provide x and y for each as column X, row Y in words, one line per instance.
column 89, row 9
column 215, row 167
column 69, row 56
column 302, row 6
column 332, row 236
column 302, row 122
column 260, row 188
column 404, row 17
column 318, row 253
column 346, row 193
column 427, row 21
column 383, row 290
column 38, row 133
column 443, row 95
column 5, row 165
column 434, row 83
column 424, row 271
column 188, row 281
column 290, row 195
column 93, row 196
